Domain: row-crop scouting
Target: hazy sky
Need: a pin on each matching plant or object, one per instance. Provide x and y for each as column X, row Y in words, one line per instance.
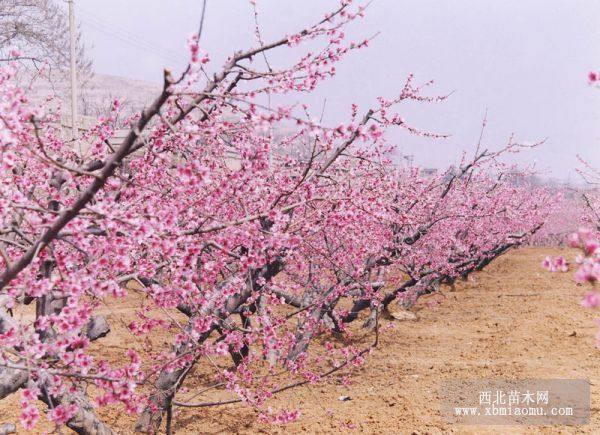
column 525, row 61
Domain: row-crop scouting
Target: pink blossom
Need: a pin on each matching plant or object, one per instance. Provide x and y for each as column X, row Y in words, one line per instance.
column 561, row 264
column 279, row 418
column 29, row 416
column 591, row 300
column 590, row 246
column 588, row 272
column 547, row 263
column 61, row 414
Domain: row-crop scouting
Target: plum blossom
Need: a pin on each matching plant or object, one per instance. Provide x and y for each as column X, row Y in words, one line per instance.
column 561, row 264
column 591, row 300
column 279, row 418
column 61, row 414
column 558, row 264
column 29, row 416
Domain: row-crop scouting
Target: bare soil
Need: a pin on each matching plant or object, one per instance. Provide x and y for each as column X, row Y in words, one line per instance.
column 513, row 320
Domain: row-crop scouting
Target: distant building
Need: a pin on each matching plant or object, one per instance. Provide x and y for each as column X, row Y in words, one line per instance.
column 429, row 172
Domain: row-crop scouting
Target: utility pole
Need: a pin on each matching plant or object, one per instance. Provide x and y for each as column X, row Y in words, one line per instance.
column 73, row 70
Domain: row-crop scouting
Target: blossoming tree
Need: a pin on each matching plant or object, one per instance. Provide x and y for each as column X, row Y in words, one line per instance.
column 242, row 245
column 587, row 238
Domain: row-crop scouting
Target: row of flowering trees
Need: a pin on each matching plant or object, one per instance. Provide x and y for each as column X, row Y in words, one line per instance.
column 252, row 257
column 587, row 238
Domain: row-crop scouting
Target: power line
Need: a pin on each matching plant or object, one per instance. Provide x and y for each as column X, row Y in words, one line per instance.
column 130, row 38
column 126, row 33
column 135, row 44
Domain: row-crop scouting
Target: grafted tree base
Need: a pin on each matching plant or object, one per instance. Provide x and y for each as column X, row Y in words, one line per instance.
column 150, row 420
column 85, row 421
column 11, row 380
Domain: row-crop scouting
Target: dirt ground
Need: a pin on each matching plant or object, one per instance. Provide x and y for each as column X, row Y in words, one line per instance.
column 514, row 320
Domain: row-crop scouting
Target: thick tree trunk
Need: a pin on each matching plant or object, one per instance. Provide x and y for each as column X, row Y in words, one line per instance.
column 11, row 380
column 85, row 421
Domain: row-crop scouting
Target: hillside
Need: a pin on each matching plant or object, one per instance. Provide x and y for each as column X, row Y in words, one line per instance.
column 96, row 94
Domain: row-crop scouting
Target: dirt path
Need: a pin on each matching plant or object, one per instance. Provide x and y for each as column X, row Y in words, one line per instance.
column 514, row 320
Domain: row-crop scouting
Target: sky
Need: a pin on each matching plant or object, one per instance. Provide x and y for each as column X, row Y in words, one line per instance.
column 524, row 62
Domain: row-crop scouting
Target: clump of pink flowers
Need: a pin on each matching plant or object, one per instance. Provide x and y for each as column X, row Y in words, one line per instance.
column 62, row 414
column 558, row 264
column 29, row 414
column 589, row 267
column 278, row 418
column 589, row 261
